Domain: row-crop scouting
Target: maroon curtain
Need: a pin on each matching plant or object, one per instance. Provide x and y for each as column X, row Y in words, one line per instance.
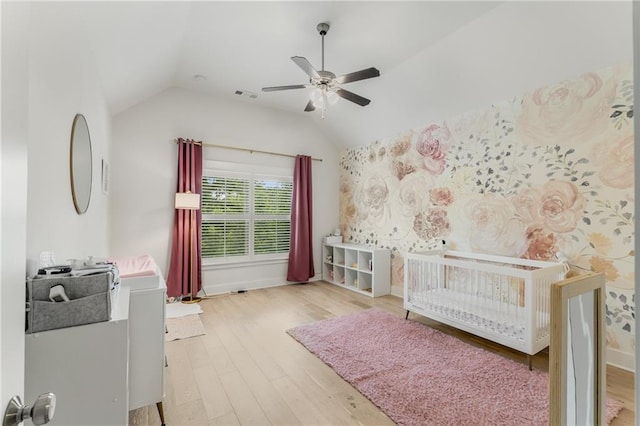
column 184, row 268
column 301, row 246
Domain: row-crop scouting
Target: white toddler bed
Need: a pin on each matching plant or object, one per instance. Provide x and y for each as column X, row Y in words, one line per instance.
column 502, row 299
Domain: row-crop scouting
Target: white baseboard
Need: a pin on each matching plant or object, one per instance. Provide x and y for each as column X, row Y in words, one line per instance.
column 211, row 290
column 624, row 360
column 397, row 291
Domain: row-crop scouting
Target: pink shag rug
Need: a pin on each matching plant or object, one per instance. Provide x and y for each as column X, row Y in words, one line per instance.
column 421, row 376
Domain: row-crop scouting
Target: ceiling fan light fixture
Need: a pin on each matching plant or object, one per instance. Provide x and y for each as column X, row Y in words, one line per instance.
column 317, row 98
column 322, row 97
column 332, row 97
column 327, row 88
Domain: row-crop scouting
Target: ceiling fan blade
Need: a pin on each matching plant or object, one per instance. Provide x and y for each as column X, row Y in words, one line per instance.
column 306, row 66
column 358, row 75
column 275, row 88
column 310, row 107
column 350, row 96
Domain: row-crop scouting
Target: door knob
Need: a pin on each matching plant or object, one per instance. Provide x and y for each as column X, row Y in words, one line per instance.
column 40, row 412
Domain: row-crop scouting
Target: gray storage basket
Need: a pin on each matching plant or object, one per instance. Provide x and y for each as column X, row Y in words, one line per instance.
column 89, row 301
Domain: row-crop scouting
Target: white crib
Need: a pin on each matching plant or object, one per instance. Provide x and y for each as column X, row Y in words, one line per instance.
column 503, row 299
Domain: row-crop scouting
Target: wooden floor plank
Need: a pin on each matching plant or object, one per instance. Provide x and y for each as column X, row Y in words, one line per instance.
column 304, row 409
column 198, row 354
column 274, row 407
column 216, row 351
column 181, row 373
column 226, row 420
column 187, row 414
column 214, row 398
column 245, row 405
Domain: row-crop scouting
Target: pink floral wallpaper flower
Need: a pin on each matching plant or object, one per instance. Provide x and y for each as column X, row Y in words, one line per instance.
column 556, row 205
column 541, row 244
column 431, row 224
column 615, row 162
column 441, row 196
column 371, row 197
column 550, row 171
column 432, row 145
column 494, row 227
column 413, row 198
column 566, row 113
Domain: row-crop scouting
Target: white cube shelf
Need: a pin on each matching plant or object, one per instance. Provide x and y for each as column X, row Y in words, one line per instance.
column 359, row 268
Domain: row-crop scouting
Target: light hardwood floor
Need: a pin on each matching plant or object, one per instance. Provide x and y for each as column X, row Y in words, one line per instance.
column 246, row 370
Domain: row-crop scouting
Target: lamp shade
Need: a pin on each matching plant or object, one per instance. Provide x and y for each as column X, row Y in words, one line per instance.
column 187, row 201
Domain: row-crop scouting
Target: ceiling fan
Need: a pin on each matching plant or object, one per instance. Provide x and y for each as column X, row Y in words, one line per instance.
column 327, row 85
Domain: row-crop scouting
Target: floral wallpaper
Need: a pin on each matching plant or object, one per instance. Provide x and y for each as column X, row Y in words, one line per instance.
column 551, row 171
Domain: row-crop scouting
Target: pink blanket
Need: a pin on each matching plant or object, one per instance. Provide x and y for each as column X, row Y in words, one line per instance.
column 135, row 266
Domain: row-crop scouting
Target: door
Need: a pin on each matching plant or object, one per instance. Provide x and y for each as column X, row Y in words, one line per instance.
column 14, row 18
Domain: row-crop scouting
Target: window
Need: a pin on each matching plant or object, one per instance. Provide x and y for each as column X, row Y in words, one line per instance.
column 245, row 216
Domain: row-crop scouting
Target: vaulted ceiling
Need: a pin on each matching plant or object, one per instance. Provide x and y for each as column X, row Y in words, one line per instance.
column 143, row 48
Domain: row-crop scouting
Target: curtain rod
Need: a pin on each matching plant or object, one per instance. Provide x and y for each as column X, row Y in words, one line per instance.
column 210, row 145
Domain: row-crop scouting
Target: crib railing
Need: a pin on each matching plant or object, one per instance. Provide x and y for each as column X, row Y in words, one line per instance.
column 499, row 298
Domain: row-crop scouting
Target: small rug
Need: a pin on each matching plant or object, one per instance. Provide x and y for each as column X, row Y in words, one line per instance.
column 421, row 376
column 178, row 309
column 184, row 327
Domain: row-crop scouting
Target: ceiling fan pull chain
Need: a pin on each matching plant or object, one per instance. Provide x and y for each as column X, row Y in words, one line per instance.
column 324, row 100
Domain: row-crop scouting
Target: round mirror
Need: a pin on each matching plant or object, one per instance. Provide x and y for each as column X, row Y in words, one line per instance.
column 80, row 164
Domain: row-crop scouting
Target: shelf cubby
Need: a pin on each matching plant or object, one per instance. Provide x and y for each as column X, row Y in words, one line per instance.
column 364, row 281
column 338, row 275
column 338, row 256
column 351, row 277
column 351, row 258
column 365, row 261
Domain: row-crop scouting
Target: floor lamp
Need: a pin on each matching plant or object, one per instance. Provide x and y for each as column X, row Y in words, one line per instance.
column 189, row 201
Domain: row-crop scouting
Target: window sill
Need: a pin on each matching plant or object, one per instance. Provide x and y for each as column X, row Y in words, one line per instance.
column 243, row 264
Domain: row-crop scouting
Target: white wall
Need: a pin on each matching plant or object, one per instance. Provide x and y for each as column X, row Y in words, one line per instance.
column 47, row 77
column 144, row 163
column 514, row 48
column 62, row 82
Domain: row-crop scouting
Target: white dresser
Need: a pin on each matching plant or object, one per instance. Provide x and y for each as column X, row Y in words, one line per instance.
column 85, row 367
column 101, row 371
